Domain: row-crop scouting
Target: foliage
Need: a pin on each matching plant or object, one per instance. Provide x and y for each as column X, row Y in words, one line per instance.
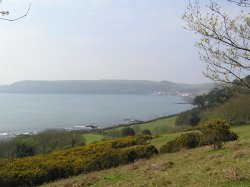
column 143, row 139
column 170, row 147
column 44, row 142
column 35, row 170
column 128, row 131
column 189, row 117
column 194, row 167
column 22, row 148
column 215, row 132
column 224, row 40
column 189, row 140
column 124, row 142
column 146, row 132
column 235, row 111
column 215, row 97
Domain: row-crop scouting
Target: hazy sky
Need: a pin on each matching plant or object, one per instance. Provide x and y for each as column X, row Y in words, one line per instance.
column 98, row 39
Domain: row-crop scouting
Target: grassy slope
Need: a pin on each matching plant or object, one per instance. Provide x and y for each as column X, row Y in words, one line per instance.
column 157, row 126
column 92, row 138
column 197, row 167
column 167, row 124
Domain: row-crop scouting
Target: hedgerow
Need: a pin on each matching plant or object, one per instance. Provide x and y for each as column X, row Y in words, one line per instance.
column 35, row 170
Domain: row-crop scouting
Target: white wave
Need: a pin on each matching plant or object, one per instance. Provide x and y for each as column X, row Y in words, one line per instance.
column 81, row 127
column 4, row 134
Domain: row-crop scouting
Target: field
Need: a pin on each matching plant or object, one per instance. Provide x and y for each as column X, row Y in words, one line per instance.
column 92, row 138
column 156, row 127
column 202, row 166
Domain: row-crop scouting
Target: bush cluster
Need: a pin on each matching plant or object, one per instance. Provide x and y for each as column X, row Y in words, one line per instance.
column 128, row 131
column 188, row 140
column 130, row 141
column 213, row 132
column 35, row 170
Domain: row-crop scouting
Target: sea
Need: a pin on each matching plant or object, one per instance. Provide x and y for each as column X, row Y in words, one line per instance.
column 32, row 113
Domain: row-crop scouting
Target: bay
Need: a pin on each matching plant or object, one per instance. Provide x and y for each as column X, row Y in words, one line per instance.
column 22, row 113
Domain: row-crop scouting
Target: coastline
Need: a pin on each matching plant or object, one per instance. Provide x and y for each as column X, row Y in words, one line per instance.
column 85, row 129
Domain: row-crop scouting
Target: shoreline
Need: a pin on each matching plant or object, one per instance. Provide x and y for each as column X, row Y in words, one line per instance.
column 85, row 129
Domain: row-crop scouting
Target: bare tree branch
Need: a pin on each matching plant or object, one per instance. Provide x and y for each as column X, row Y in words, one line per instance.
column 15, row 19
column 224, row 42
column 243, row 3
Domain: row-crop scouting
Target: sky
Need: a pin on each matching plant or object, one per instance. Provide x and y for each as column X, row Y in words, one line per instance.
column 98, row 39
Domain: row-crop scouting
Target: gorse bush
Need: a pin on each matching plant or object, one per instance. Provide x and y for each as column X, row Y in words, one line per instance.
column 170, row 147
column 189, row 140
column 35, row 170
column 124, row 142
column 213, row 132
column 129, row 141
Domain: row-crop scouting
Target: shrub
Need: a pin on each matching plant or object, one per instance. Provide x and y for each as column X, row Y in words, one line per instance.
column 189, row 140
column 232, row 137
column 190, row 117
column 128, row 132
column 22, row 147
column 142, row 139
column 130, row 141
column 170, row 147
column 146, row 132
column 35, row 170
column 215, row 132
column 124, row 142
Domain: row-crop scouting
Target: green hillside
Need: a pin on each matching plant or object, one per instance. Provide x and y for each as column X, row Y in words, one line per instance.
column 201, row 166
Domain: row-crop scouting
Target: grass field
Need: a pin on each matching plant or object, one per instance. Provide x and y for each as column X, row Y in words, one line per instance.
column 92, row 138
column 158, row 126
column 202, row 166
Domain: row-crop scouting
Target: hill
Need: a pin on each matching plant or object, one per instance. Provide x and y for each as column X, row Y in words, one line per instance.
column 196, row 167
column 105, row 87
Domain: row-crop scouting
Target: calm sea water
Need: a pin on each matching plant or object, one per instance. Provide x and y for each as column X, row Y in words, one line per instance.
column 20, row 113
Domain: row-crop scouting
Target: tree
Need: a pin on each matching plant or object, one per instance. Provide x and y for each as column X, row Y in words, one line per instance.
column 244, row 3
column 128, row 132
column 146, row 132
column 22, row 147
column 224, row 40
